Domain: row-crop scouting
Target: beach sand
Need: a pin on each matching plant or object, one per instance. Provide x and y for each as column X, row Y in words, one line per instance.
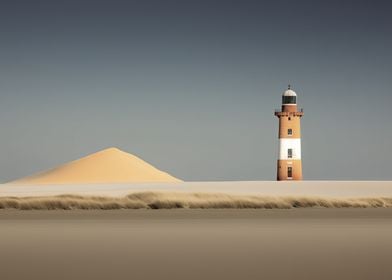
column 337, row 189
column 197, row 244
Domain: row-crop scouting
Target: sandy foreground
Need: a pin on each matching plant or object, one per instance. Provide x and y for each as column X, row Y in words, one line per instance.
column 197, row 244
column 272, row 188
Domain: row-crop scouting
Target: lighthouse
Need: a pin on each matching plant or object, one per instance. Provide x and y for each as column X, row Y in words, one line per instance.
column 289, row 160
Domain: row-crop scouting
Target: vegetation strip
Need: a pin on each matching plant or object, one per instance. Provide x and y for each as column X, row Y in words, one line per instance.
column 166, row 200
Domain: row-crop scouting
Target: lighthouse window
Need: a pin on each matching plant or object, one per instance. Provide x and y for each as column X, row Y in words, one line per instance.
column 290, row 153
column 289, row 131
column 289, row 100
column 289, row 171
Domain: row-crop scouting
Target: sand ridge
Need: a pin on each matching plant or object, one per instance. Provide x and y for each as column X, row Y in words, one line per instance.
column 337, row 189
column 107, row 166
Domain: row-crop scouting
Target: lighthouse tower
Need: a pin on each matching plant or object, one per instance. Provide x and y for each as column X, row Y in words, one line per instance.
column 289, row 161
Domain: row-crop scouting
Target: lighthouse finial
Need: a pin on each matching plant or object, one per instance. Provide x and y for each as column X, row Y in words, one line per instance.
column 289, row 86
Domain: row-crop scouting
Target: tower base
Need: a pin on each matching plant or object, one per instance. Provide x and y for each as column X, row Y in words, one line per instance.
column 289, row 170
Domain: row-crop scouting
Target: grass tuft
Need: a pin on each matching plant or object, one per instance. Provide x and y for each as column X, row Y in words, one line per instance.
column 168, row 200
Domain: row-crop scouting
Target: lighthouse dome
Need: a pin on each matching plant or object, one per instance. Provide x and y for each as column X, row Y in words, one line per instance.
column 289, row 92
column 289, row 97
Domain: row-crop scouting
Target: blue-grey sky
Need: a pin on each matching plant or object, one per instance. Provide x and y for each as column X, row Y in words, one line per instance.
column 191, row 86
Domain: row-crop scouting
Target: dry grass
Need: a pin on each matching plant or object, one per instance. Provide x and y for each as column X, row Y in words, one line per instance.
column 165, row 200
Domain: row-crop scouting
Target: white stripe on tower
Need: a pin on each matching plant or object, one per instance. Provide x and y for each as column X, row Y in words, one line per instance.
column 285, row 144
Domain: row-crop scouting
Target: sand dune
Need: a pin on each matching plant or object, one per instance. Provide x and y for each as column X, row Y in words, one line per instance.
column 165, row 200
column 108, row 166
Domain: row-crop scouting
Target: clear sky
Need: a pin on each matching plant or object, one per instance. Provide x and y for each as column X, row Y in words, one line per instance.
column 191, row 86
